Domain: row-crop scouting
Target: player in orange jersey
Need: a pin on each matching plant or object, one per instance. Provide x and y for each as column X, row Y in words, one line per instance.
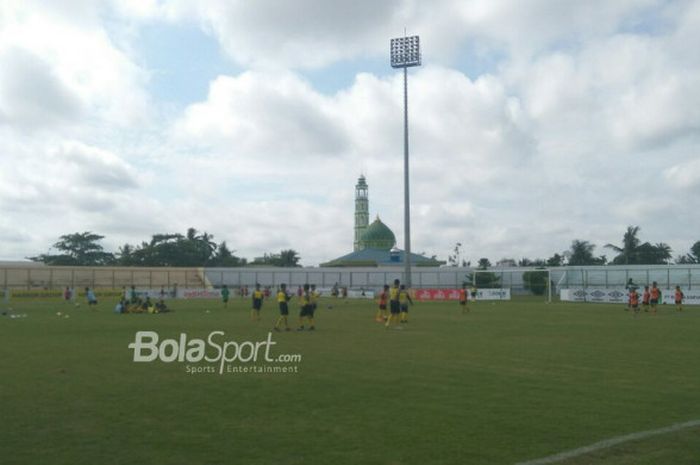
column 634, row 301
column 646, row 297
column 678, row 299
column 655, row 296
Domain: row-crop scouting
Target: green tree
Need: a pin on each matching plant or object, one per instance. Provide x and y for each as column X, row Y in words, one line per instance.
column 174, row 249
column 454, row 258
column 627, row 254
column 555, row 260
column 526, row 262
column 225, row 257
column 484, row 280
column 634, row 252
column 289, row 258
column 658, row 254
column 125, row 256
column 695, row 252
column 581, row 254
column 535, row 281
column 692, row 257
column 286, row 258
column 78, row 249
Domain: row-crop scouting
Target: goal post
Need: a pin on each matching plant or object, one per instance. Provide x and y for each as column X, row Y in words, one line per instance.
column 519, row 281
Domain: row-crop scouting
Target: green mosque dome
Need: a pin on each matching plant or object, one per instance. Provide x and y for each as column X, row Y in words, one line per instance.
column 377, row 236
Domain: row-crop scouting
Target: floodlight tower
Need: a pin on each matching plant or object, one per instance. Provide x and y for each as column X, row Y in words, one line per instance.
column 405, row 52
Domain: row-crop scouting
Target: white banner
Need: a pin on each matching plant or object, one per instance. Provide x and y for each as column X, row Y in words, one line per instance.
column 620, row 295
column 199, row 293
column 216, row 293
column 492, row 294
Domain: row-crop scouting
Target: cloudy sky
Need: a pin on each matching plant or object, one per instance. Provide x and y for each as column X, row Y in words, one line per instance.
column 533, row 123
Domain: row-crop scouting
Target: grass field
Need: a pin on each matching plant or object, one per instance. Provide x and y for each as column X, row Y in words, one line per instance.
column 507, row 383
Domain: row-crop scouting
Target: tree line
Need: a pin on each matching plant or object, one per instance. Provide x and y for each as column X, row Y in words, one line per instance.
column 190, row 249
column 196, row 248
column 632, row 251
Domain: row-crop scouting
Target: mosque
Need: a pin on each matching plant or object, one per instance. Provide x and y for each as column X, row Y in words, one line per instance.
column 374, row 244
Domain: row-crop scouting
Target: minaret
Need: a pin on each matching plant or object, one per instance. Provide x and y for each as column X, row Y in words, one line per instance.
column 361, row 211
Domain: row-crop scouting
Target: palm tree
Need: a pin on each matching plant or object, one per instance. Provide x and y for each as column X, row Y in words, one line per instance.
column 663, row 252
column 289, row 257
column 630, row 245
column 203, row 243
column 581, row 253
column 695, row 252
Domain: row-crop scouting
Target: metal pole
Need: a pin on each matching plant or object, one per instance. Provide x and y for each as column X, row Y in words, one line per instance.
column 407, row 202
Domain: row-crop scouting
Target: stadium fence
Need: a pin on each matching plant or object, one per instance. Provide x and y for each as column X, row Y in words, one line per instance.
column 546, row 282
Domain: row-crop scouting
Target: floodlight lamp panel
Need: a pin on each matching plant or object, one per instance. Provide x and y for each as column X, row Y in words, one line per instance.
column 405, row 52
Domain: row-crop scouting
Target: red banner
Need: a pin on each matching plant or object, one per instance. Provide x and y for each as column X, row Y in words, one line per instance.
column 436, row 294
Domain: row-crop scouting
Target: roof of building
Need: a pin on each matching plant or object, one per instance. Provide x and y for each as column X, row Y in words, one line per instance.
column 379, row 232
column 381, row 257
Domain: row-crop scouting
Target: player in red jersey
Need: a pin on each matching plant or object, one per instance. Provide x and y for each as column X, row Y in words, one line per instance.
column 381, row 316
column 463, row 298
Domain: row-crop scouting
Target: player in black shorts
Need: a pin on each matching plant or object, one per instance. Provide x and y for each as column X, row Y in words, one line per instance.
column 394, row 305
column 307, row 309
column 257, row 303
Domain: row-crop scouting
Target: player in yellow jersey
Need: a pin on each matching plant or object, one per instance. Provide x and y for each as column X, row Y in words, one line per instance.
column 394, row 306
column 307, row 309
column 404, row 300
column 257, row 303
column 282, row 299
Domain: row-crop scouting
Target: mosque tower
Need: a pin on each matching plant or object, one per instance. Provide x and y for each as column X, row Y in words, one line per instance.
column 361, row 211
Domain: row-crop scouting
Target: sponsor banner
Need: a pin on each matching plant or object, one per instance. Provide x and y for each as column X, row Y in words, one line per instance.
column 198, row 294
column 154, row 294
column 689, row 297
column 453, row 294
column 352, row 293
column 614, row 295
column 620, row 295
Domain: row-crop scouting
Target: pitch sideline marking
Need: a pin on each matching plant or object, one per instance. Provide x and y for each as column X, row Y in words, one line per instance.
column 609, row 443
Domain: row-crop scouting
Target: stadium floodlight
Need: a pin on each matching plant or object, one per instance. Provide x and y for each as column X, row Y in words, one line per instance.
column 405, row 52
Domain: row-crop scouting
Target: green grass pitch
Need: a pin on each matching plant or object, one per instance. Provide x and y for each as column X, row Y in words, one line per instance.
column 507, row 383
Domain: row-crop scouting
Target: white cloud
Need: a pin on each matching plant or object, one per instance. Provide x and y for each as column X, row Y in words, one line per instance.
column 587, row 121
column 257, row 113
column 30, row 93
column 68, row 63
column 684, row 175
column 315, row 33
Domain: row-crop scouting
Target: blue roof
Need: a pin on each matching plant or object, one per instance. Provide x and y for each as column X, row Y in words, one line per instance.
column 380, row 257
